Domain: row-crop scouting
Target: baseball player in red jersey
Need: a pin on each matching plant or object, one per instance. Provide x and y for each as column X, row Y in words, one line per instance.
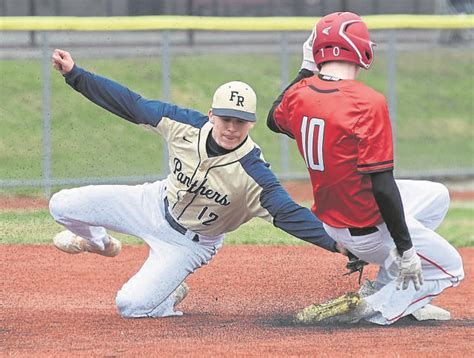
column 343, row 132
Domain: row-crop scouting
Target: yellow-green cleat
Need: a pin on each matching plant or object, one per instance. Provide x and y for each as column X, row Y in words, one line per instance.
column 343, row 309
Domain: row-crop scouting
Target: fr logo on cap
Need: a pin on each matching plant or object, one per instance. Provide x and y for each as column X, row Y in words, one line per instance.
column 235, row 99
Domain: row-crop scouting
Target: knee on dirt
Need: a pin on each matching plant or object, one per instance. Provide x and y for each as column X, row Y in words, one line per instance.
column 126, row 305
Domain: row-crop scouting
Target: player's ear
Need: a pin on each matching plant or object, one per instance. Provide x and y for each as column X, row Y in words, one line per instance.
column 209, row 114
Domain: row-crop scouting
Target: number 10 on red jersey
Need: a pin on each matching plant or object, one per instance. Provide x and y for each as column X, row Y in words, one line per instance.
column 312, row 138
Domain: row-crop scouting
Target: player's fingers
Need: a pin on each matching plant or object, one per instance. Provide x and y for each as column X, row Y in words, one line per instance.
column 61, row 55
column 405, row 283
column 416, row 282
column 64, row 54
column 56, row 58
column 399, row 282
column 56, row 53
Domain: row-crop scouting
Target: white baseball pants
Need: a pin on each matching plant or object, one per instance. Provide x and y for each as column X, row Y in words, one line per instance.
column 139, row 211
column 425, row 204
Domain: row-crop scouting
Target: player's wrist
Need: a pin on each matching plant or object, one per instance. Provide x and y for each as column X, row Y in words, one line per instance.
column 408, row 254
column 309, row 65
column 408, row 249
column 340, row 249
column 68, row 69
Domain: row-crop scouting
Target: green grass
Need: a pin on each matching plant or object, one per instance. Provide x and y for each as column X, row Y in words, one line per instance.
column 458, row 227
column 434, row 124
column 435, row 127
column 37, row 227
column 435, row 109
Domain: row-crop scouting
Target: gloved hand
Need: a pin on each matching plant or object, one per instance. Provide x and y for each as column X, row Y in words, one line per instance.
column 308, row 60
column 409, row 269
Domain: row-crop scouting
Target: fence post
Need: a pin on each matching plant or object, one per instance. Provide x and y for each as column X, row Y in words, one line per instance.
column 166, row 87
column 284, row 68
column 32, row 13
column 392, row 83
column 46, row 114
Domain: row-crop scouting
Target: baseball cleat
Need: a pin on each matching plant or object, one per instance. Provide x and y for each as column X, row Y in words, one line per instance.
column 349, row 308
column 73, row 244
column 180, row 293
column 432, row 312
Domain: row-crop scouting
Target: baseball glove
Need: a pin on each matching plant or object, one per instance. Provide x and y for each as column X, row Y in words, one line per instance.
column 328, row 311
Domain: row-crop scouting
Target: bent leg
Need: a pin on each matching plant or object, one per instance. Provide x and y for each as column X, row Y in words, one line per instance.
column 439, row 259
column 442, row 268
column 149, row 292
column 89, row 211
column 426, row 201
column 392, row 304
column 441, row 264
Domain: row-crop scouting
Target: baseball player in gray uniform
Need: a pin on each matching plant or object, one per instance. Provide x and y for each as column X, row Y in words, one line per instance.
column 218, row 180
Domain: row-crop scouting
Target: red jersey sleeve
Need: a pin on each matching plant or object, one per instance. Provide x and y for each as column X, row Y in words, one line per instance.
column 282, row 117
column 374, row 133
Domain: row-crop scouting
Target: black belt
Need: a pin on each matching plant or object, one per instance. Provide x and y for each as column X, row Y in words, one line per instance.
column 174, row 224
column 361, row 231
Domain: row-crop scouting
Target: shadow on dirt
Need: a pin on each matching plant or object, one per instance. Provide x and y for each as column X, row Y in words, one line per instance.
column 287, row 321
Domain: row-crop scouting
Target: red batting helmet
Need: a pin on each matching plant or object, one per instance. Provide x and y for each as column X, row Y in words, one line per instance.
column 343, row 36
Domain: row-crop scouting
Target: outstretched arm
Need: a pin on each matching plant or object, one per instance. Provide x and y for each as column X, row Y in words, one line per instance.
column 268, row 200
column 116, row 98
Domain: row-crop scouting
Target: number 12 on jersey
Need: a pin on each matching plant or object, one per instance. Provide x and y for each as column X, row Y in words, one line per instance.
column 312, row 137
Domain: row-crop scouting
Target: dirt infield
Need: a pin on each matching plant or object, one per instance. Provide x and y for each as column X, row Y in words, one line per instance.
column 54, row 304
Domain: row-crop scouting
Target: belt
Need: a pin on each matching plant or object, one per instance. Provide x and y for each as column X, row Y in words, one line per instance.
column 361, row 231
column 174, row 224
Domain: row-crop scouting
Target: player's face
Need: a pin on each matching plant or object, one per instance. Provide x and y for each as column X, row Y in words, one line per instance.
column 229, row 132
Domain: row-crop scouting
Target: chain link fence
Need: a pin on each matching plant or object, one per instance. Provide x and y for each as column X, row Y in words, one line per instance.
column 426, row 76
